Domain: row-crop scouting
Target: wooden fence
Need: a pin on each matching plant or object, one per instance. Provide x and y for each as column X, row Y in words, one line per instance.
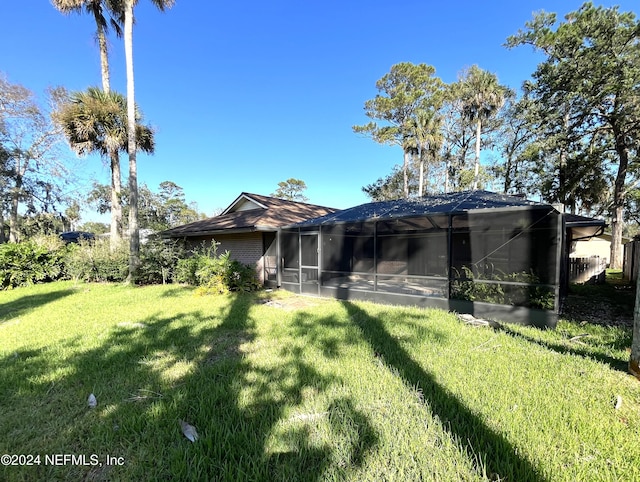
column 631, row 255
column 587, row 270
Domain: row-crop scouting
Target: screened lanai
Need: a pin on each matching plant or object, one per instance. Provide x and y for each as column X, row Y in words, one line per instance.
column 491, row 255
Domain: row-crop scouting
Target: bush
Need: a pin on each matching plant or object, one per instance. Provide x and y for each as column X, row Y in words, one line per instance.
column 216, row 274
column 530, row 293
column 30, row 262
column 159, row 259
column 95, row 261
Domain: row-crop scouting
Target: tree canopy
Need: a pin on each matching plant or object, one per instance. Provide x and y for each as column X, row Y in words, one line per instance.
column 587, row 95
column 292, row 189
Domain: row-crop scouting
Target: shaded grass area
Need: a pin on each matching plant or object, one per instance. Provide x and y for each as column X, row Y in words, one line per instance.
column 326, row 391
column 607, row 304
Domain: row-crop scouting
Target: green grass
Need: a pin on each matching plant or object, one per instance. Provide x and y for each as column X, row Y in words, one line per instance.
column 327, row 391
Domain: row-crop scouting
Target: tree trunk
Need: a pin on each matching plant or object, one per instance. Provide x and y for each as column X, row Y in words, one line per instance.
column 617, row 220
column 14, row 232
column 104, row 51
column 476, row 171
column 3, row 239
column 13, row 214
column 134, row 233
column 421, row 180
column 116, row 205
column 405, row 172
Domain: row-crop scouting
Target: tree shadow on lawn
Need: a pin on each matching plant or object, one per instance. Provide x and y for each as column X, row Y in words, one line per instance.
column 481, row 442
column 152, row 374
column 586, row 352
column 23, row 304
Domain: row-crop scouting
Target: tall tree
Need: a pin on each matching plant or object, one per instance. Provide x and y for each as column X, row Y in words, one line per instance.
column 482, row 97
column 589, row 84
column 458, row 135
column 95, row 121
column 425, row 129
column 134, row 230
column 291, row 189
column 30, row 170
column 99, row 10
column 157, row 211
column 403, row 91
column 386, row 188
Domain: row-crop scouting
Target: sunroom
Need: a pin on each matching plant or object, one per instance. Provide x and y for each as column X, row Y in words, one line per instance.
column 490, row 255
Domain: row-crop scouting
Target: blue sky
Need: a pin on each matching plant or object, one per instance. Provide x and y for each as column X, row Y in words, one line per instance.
column 245, row 94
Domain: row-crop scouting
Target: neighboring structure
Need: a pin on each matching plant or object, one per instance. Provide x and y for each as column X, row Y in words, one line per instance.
column 589, row 250
column 487, row 254
column 631, row 259
column 248, row 229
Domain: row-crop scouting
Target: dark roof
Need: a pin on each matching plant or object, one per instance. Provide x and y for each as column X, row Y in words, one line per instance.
column 451, row 203
column 575, row 220
column 583, row 227
column 271, row 214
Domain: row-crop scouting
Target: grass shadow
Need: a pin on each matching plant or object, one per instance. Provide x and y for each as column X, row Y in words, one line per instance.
column 151, row 374
column 614, row 363
column 23, row 304
column 482, row 444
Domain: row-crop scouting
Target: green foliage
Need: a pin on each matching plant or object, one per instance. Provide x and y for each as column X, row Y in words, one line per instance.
column 97, row 262
column 292, row 190
column 530, row 294
column 28, row 263
column 158, row 260
column 157, row 211
column 216, row 274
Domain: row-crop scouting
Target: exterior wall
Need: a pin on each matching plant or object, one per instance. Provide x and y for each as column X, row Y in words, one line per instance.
column 593, row 247
column 245, row 247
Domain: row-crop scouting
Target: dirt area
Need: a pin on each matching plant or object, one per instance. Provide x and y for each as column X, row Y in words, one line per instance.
column 606, row 304
column 291, row 303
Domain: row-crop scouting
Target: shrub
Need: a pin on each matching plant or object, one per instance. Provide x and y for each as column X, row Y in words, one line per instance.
column 159, row 259
column 530, row 293
column 216, row 274
column 95, row 261
column 29, row 262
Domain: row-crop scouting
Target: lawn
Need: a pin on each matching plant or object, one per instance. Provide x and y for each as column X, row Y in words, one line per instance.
column 281, row 387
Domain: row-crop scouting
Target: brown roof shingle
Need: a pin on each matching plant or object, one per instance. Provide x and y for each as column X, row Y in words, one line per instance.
column 278, row 212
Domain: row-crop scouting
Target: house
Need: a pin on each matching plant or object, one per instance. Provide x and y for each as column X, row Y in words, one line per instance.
column 490, row 255
column 248, row 229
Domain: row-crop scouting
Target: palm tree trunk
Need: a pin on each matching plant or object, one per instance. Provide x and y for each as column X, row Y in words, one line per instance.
column 476, row 171
column 104, row 51
column 134, row 233
column 116, row 205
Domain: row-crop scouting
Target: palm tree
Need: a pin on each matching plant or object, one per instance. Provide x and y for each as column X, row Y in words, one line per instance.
column 134, row 232
column 482, row 97
column 95, row 121
column 97, row 9
column 426, row 137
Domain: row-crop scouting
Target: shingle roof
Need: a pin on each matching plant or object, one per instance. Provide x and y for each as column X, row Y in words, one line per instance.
column 429, row 205
column 277, row 212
